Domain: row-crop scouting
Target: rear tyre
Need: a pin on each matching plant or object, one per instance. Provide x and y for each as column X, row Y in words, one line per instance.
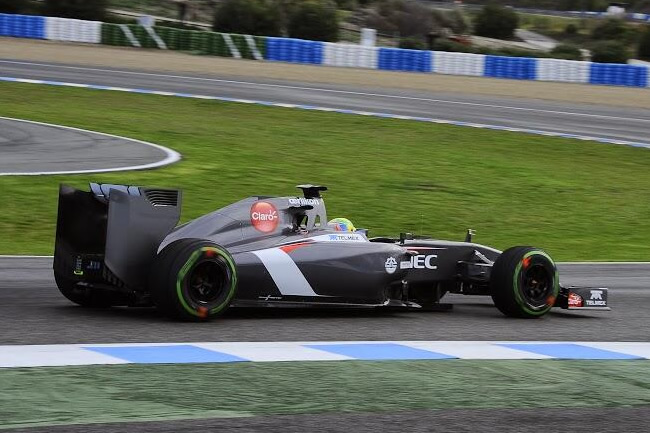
column 524, row 282
column 193, row 279
column 87, row 297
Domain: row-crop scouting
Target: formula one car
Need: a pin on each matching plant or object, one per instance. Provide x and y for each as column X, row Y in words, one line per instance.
column 119, row 245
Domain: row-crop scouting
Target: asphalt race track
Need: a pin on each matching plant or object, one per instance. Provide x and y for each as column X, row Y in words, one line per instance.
column 31, row 148
column 560, row 117
column 34, row 312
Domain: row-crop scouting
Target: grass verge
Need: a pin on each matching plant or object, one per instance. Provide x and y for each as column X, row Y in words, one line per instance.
column 579, row 200
column 80, row 395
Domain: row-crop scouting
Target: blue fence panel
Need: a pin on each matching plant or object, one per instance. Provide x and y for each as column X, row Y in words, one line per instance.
column 294, row 50
column 516, row 68
column 22, row 26
column 396, row 59
column 4, row 25
column 613, row 74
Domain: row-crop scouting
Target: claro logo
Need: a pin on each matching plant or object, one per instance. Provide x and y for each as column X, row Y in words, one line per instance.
column 264, row 216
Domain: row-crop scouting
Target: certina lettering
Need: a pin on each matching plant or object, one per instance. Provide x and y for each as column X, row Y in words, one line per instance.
column 264, row 216
column 391, row 265
column 419, row 262
column 304, row 201
column 596, row 299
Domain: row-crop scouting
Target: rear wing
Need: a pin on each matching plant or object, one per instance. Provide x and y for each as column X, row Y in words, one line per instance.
column 111, row 234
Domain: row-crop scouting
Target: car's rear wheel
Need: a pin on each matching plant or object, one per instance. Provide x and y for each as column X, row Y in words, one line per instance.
column 193, row 279
column 88, row 297
column 524, row 282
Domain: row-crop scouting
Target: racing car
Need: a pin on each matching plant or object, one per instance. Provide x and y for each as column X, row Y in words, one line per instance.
column 119, row 245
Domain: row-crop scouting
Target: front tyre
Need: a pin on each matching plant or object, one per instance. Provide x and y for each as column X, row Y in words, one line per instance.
column 193, row 279
column 524, row 282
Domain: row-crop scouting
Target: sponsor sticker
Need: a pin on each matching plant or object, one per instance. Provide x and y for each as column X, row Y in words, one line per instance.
column 575, row 300
column 264, row 216
column 343, row 237
column 301, row 201
column 346, row 238
column 270, row 298
column 390, row 265
column 596, row 299
column 421, row 261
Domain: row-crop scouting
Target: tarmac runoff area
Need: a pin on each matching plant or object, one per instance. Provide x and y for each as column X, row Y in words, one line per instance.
column 33, row 148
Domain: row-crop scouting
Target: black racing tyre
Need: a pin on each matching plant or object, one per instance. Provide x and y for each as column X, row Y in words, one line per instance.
column 524, row 282
column 86, row 297
column 193, row 279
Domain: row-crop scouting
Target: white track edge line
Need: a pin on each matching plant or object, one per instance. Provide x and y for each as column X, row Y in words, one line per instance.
column 171, row 156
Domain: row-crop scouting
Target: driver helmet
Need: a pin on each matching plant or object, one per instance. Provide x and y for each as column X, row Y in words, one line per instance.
column 341, row 225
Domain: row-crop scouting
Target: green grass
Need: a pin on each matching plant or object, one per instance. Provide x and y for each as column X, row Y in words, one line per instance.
column 579, row 200
column 67, row 395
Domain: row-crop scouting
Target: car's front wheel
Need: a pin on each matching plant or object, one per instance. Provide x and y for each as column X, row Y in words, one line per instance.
column 193, row 279
column 524, row 282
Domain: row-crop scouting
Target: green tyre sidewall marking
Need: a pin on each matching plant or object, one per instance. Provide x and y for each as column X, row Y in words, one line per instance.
column 515, row 284
column 186, row 267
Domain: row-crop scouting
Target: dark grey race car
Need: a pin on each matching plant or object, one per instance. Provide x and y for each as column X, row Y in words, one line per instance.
column 119, row 245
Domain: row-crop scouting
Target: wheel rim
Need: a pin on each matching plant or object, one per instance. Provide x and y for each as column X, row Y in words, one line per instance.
column 207, row 282
column 537, row 284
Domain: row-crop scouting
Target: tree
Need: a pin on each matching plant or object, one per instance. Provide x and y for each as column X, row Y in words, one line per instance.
column 250, row 17
column 12, row 6
column 496, row 21
column 609, row 52
column 644, row 44
column 314, row 20
column 93, row 10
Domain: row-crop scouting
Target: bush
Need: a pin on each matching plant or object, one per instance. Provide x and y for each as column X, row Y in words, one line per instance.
column 644, row 44
column 451, row 46
column 609, row 52
column 406, row 18
column 571, row 29
column 412, row 44
column 314, row 20
column 348, row 5
column 93, row 10
column 566, row 52
column 496, row 21
column 13, row 6
column 454, row 20
column 611, row 29
column 249, row 17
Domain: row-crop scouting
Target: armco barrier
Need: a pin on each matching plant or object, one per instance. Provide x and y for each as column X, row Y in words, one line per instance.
column 458, row 63
column 618, row 75
column 517, row 68
column 567, row 71
column 395, row 59
column 22, row 26
column 294, row 50
column 350, row 55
